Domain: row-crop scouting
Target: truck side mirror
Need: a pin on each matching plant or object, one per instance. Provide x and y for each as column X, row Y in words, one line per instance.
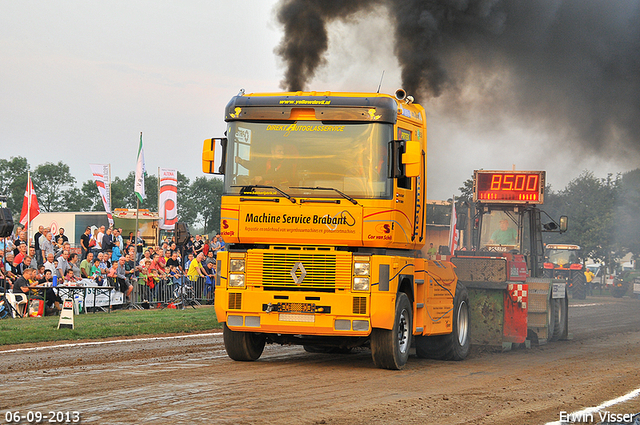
column 564, row 223
column 214, row 154
column 411, row 158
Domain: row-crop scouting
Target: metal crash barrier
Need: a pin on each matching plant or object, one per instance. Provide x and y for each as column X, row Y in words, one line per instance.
column 171, row 293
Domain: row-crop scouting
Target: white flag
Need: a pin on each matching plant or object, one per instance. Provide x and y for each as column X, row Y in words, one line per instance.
column 102, row 177
column 168, row 198
column 139, row 184
column 454, row 233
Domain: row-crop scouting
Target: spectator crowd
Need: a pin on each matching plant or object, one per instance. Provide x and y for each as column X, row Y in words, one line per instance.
column 105, row 258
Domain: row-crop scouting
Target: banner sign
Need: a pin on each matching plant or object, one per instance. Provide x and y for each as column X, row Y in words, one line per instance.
column 168, row 198
column 102, row 177
column 139, row 182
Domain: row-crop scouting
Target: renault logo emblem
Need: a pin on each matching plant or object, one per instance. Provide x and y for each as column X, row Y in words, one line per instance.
column 298, row 279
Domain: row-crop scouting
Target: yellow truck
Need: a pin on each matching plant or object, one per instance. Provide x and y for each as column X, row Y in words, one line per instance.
column 323, row 215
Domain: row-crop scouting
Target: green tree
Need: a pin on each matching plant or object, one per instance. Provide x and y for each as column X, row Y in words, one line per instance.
column 187, row 204
column 122, row 195
column 206, row 193
column 628, row 213
column 76, row 200
column 466, row 191
column 13, row 182
column 590, row 203
column 50, row 181
column 91, row 196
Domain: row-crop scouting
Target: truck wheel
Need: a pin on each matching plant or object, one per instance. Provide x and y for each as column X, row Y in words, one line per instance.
column 618, row 291
column 579, row 285
column 453, row 346
column 551, row 318
column 561, row 316
column 243, row 346
column 390, row 348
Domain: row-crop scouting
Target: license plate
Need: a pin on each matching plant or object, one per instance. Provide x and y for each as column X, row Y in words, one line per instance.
column 289, row 317
column 297, row 307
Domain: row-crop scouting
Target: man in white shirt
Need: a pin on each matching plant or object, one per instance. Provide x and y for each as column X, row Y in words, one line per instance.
column 46, row 244
column 63, row 264
column 49, row 264
column 99, row 238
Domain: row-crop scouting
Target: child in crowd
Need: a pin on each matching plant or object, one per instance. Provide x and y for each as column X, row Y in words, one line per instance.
column 96, row 273
column 69, row 278
column 112, row 275
column 143, row 277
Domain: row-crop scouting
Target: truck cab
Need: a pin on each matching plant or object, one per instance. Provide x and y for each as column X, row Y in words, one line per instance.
column 564, row 261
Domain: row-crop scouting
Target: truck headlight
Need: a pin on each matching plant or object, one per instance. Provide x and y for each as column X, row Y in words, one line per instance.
column 236, row 280
column 236, row 265
column 360, row 283
column 361, row 269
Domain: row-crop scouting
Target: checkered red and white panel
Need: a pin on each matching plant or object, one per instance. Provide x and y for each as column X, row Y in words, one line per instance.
column 519, row 294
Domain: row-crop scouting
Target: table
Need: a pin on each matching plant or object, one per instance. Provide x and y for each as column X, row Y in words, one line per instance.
column 70, row 291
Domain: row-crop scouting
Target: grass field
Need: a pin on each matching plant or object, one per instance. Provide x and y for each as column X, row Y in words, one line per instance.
column 105, row 325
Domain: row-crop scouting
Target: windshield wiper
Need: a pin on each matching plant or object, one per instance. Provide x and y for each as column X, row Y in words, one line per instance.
column 249, row 188
column 344, row 195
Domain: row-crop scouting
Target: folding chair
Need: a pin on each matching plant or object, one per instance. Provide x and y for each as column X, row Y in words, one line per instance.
column 19, row 303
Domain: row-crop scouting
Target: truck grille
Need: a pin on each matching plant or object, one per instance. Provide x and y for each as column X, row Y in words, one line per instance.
column 323, row 271
column 359, row 305
column 235, row 301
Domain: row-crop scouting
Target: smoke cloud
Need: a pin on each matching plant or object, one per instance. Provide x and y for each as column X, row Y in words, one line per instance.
column 570, row 66
column 306, row 38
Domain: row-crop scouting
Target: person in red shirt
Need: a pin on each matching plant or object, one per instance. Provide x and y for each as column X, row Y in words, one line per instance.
column 22, row 252
column 159, row 273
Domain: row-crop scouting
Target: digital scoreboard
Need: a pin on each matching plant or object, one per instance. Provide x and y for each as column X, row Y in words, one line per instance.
column 509, row 187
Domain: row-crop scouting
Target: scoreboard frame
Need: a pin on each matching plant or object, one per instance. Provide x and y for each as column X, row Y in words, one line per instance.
column 509, row 187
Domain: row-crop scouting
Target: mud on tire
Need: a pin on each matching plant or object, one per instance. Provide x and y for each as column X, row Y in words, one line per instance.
column 560, row 319
column 456, row 345
column 579, row 285
column 243, row 346
column 390, row 348
column 619, row 291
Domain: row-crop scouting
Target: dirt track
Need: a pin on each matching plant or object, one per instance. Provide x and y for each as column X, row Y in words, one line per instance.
column 191, row 380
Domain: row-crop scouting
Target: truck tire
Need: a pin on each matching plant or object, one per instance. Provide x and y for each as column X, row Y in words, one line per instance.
column 390, row 348
column 561, row 317
column 453, row 346
column 243, row 346
column 551, row 317
column 579, row 285
column 618, row 291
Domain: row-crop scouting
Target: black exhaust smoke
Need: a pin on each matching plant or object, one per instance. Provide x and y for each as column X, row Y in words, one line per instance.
column 573, row 66
column 305, row 34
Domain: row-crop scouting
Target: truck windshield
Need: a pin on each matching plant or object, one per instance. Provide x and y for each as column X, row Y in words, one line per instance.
column 562, row 257
column 499, row 232
column 349, row 157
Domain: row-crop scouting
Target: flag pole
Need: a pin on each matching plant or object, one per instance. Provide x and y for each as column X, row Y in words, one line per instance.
column 110, row 203
column 158, row 227
column 28, row 206
column 138, row 200
column 139, row 181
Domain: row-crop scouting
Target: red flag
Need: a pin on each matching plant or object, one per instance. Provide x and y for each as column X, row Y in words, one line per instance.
column 35, row 208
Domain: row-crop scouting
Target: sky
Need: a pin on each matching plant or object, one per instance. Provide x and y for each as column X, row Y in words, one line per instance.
column 81, row 80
